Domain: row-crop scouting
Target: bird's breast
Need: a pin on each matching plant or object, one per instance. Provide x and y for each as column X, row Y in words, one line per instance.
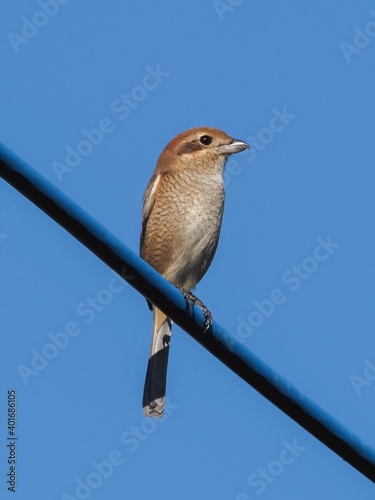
column 197, row 216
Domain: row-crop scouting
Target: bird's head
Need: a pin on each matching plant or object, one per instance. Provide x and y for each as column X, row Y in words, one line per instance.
column 201, row 148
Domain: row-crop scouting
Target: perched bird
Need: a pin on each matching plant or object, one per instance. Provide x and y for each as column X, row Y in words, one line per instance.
column 181, row 219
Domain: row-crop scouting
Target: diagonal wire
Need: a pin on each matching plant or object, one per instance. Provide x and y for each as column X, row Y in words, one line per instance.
column 165, row 296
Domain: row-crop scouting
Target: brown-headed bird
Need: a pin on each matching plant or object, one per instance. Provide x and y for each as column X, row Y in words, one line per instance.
column 181, row 219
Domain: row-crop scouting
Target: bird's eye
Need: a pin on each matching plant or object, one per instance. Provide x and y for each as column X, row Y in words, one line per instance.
column 206, row 140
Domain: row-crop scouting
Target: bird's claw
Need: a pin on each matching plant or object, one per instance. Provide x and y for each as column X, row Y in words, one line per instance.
column 207, row 320
column 189, row 298
column 192, row 300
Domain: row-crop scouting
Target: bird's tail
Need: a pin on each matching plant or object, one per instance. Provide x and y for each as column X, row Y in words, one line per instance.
column 156, row 377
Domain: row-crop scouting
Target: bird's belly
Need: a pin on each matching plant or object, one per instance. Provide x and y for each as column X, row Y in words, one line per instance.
column 200, row 236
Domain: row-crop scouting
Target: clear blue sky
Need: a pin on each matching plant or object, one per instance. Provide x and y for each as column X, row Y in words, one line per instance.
column 294, row 79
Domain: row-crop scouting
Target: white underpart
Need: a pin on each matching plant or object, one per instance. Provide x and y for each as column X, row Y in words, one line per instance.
column 203, row 225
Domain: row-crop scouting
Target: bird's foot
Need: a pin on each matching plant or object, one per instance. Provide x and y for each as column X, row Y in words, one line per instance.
column 192, row 300
column 188, row 296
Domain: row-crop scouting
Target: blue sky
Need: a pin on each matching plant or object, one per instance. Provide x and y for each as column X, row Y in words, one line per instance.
column 296, row 81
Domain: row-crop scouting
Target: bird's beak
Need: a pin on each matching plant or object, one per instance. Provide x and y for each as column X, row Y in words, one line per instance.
column 235, row 146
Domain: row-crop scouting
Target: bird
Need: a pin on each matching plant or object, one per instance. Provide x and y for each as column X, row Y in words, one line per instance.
column 181, row 220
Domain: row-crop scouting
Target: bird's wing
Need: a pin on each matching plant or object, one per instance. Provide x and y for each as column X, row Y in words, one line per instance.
column 148, row 204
